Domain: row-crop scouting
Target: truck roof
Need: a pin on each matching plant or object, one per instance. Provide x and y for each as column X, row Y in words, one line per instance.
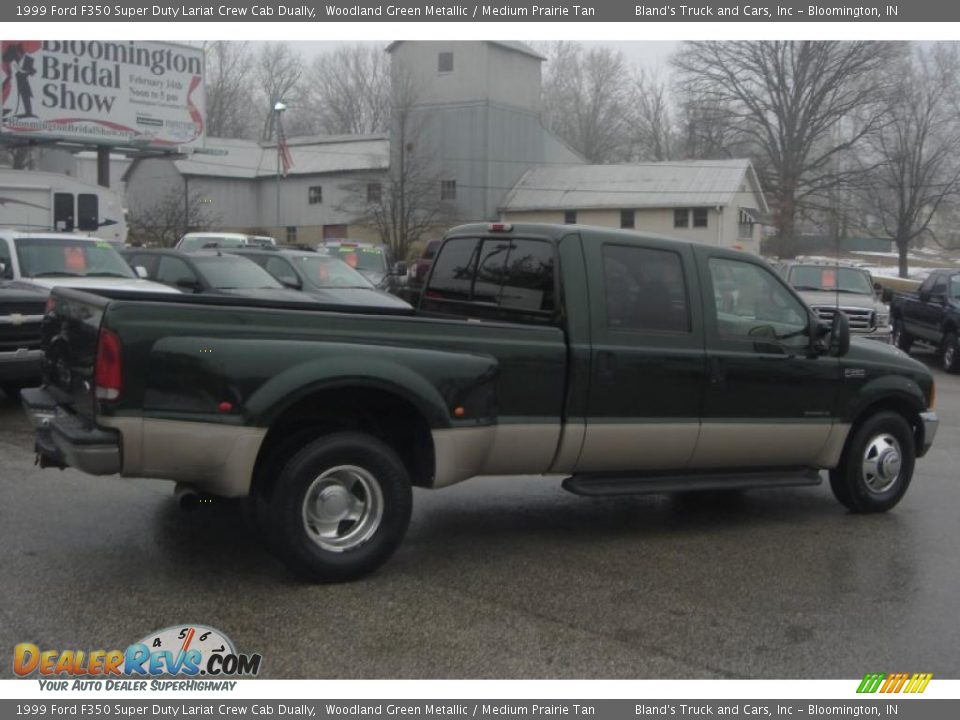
column 556, row 232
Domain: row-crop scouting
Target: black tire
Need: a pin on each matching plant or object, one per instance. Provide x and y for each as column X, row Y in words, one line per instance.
column 900, row 337
column 350, row 469
column 854, row 485
column 950, row 352
column 12, row 389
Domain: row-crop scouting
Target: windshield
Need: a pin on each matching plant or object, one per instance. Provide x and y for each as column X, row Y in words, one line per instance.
column 831, row 279
column 329, row 272
column 229, row 272
column 361, row 258
column 198, row 243
column 69, row 257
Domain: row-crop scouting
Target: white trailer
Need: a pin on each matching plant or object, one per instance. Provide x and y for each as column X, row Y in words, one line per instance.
column 44, row 201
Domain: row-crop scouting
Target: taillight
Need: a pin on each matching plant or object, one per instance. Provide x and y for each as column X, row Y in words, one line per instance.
column 108, row 370
column 500, row 227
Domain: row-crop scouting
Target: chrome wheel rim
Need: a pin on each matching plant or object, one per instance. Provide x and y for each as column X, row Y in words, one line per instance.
column 882, row 463
column 948, row 354
column 896, row 334
column 343, row 508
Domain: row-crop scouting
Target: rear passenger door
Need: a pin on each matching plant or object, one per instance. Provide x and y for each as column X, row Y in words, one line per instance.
column 647, row 359
column 769, row 401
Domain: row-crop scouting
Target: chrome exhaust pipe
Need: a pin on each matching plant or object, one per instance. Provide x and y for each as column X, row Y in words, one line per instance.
column 186, row 497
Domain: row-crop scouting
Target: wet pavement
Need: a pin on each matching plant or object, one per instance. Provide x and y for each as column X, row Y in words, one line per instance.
column 508, row 577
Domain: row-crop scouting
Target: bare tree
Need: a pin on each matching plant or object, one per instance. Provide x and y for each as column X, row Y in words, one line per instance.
column 919, row 168
column 278, row 72
column 350, row 90
column 586, row 97
column 18, row 158
column 785, row 99
column 171, row 215
column 229, row 77
column 405, row 203
column 651, row 130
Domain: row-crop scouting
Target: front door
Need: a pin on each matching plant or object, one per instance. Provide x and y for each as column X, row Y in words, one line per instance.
column 769, row 402
column 647, row 358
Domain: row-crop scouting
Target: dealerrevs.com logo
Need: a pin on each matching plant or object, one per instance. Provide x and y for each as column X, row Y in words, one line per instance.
column 185, row 652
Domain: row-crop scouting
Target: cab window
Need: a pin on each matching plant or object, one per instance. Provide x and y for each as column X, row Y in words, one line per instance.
column 750, row 302
column 645, row 289
column 504, row 275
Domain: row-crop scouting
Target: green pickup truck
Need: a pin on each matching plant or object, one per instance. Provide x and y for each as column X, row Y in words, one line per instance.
column 625, row 362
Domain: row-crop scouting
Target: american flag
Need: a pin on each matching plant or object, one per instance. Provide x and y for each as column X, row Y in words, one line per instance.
column 283, row 150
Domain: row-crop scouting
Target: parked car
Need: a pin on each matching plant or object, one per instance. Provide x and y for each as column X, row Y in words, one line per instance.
column 31, row 264
column 371, row 260
column 200, row 240
column 326, row 279
column 421, row 266
column 828, row 287
column 213, row 272
column 931, row 316
column 598, row 354
column 21, row 311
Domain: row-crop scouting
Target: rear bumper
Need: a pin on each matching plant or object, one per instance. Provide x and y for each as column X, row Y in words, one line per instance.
column 930, row 423
column 22, row 364
column 66, row 440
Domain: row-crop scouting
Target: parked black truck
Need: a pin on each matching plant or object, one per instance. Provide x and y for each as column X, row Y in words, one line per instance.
column 627, row 363
column 932, row 316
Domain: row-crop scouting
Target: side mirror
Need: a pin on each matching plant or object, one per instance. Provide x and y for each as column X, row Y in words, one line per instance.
column 924, row 296
column 3, row 271
column 399, row 268
column 765, row 340
column 289, row 283
column 839, row 343
column 141, row 272
column 188, row 285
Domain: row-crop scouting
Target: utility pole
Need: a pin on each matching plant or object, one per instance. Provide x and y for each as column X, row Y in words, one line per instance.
column 278, row 107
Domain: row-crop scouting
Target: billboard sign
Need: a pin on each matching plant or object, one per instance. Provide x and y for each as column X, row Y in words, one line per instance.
column 131, row 93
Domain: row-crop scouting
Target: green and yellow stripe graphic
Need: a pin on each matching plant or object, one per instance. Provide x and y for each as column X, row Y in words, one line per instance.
column 894, row 682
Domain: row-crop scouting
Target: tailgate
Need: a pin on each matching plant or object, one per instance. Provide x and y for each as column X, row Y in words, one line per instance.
column 69, row 341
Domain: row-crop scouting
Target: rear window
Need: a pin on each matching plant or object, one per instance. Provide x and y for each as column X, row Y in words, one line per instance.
column 506, row 273
column 67, row 257
column 198, row 243
column 361, row 258
column 229, row 272
column 329, row 272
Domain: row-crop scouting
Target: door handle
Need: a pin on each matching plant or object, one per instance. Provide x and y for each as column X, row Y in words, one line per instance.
column 716, row 371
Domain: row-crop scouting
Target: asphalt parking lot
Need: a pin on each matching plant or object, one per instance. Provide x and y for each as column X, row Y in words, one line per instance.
column 506, row 578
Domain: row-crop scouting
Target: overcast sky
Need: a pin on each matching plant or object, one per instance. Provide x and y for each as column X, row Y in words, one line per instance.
column 649, row 55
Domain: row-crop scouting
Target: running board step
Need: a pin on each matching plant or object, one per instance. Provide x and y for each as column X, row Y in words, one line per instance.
column 602, row 485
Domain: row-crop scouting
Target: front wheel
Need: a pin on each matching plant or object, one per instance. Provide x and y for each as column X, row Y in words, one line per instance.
column 900, row 338
column 340, row 507
column 951, row 353
column 876, row 466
